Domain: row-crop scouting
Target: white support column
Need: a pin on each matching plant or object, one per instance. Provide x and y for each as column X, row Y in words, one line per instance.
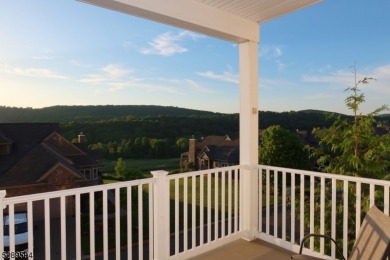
column 161, row 215
column 249, row 136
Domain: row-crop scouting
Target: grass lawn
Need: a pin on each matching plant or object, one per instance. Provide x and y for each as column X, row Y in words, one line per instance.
column 144, row 165
column 106, row 181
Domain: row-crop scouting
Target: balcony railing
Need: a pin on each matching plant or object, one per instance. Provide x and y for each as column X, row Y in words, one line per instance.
column 293, row 203
column 184, row 215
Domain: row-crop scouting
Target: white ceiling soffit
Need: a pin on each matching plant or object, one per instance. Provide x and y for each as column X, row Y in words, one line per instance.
column 259, row 11
column 232, row 20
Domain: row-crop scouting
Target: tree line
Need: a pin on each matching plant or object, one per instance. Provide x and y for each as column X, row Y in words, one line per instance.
column 153, row 131
column 158, row 136
column 141, row 147
column 65, row 114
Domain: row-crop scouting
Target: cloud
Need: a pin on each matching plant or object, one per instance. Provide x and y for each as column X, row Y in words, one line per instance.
column 227, row 76
column 108, row 74
column 142, row 84
column 270, row 52
column 80, row 64
column 270, row 83
column 47, row 55
column 168, row 44
column 116, row 78
column 127, row 45
column 198, row 87
column 340, row 77
column 31, row 72
column 345, row 78
column 115, row 71
column 44, row 57
column 319, row 96
column 280, row 65
column 162, row 85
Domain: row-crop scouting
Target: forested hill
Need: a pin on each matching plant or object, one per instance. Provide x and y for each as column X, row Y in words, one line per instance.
column 151, row 131
column 66, row 115
column 63, row 114
column 112, row 123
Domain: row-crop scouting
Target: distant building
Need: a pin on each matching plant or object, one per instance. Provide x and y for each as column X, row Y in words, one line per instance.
column 211, row 152
column 35, row 158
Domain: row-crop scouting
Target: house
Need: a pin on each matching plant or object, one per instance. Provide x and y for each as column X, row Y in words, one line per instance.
column 212, row 152
column 35, row 158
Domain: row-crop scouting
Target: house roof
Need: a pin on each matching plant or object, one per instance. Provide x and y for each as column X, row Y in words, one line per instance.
column 37, row 148
column 229, row 154
column 60, row 143
column 220, row 148
column 28, row 171
column 217, row 140
column 25, row 137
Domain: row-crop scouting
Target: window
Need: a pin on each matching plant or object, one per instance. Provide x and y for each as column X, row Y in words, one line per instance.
column 87, row 174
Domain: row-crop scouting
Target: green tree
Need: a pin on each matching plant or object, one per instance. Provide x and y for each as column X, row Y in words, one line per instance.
column 280, row 147
column 182, row 144
column 133, row 173
column 351, row 146
column 120, row 168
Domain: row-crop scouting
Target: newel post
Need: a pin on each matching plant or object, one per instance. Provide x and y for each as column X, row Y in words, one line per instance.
column 161, row 214
column 2, row 207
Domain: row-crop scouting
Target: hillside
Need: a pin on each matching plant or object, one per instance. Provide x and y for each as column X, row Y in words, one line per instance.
column 63, row 114
column 152, row 131
column 114, row 123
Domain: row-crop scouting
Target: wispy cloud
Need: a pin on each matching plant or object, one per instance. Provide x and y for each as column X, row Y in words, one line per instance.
column 144, row 85
column 127, row 45
column 47, row 55
column 198, row 87
column 115, row 71
column 228, row 76
column 44, row 57
column 31, row 72
column 108, row 74
column 340, row 77
column 382, row 83
column 114, row 78
column 280, row 65
column 345, row 78
column 270, row 52
column 80, row 64
column 319, row 96
column 270, row 83
column 168, row 44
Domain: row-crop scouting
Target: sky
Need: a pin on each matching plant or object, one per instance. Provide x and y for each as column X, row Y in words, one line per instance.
column 65, row 52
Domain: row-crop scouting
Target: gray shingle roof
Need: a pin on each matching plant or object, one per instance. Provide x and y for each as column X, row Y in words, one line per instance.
column 36, row 149
column 220, row 148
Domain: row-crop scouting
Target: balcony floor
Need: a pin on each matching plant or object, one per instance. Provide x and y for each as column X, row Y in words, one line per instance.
column 241, row 249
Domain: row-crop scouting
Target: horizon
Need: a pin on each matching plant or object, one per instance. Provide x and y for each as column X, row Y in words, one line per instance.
column 103, row 57
column 208, row 111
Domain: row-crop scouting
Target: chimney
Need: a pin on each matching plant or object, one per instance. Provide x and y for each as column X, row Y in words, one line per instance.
column 82, row 138
column 192, row 150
